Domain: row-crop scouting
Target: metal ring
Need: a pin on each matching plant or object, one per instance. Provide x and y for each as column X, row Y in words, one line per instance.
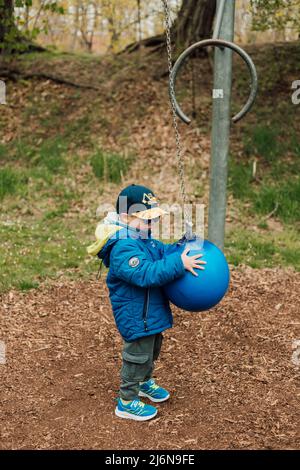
column 218, row 43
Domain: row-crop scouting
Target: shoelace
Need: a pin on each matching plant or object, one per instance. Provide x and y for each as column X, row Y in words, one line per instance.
column 154, row 386
column 137, row 404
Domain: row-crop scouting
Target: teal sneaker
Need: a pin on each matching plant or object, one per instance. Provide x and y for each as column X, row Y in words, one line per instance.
column 153, row 392
column 136, row 410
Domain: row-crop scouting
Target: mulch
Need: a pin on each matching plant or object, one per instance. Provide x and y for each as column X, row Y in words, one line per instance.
column 233, row 379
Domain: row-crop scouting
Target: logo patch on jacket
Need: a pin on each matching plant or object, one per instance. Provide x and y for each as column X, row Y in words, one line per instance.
column 134, row 262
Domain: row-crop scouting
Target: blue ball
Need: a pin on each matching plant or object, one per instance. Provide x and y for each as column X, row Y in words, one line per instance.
column 203, row 292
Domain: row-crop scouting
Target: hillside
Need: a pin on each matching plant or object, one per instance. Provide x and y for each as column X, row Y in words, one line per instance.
column 55, row 137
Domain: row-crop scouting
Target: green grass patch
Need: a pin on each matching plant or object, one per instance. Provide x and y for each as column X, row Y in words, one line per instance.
column 240, row 178
column 263, row 250
column 263, row 141
column 22, row 150
column 31, row 150
column 31, row 253
column 56, row 213
column 51, row 154
column 282, row 198
column 109, row 166
column 27, row 285
column 3, row 152
column 55, row 55
column 276, row 186
column 8, row 182
column 11, row 182
column 49, row 115
column 268, row 195
column 48, row 155
column 79, row 131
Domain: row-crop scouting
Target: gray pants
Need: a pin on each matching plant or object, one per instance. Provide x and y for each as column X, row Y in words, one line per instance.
column 138, row 363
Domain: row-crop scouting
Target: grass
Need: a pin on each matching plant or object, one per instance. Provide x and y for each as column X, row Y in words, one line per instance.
column 27, row 285
column 33, row 163
column 283, row 199
column 47, row 153
column 275, row 188
column 51, row 154
column 259, row 250
column 79, row 131
column 3, row 151
column 264, row 142
column 11, row 182
column 40, row 238
column 53, row 54
column 8, row 182
column 240, row 179
column 109, row 166
column 31, row 253
column 57, row 213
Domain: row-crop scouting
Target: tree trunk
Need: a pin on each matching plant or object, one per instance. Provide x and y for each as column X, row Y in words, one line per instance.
column 75, row 26
column 6, row 19
column 11, row 40
column 139, row 17
column 193, row 23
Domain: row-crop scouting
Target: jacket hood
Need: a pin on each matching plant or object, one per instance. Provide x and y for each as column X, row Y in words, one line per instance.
column 107, row 233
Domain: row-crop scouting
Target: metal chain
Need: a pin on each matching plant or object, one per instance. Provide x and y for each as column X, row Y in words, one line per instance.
column 179, row 152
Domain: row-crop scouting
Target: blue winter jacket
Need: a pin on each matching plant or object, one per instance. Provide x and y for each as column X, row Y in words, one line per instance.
column 138, row 268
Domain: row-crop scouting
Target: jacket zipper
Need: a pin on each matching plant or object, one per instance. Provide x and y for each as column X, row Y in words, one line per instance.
column 145, row 308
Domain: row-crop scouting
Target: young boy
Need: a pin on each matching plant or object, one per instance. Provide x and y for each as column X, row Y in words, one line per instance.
column 138, row 268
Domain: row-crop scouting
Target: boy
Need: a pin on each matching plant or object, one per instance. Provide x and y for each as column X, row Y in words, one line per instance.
column 138, row 268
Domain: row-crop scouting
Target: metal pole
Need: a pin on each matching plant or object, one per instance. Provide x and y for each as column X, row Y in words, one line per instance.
column 220, row 127
column 219, row 18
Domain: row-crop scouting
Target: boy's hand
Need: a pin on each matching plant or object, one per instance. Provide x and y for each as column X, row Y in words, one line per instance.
column 191, row 262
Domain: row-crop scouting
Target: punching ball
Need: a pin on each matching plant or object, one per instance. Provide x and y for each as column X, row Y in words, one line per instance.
column 202, row 292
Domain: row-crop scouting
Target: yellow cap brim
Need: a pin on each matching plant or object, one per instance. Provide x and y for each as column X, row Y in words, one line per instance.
column 149, row 214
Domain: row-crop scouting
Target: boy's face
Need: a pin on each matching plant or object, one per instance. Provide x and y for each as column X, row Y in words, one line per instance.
column 135, row 222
